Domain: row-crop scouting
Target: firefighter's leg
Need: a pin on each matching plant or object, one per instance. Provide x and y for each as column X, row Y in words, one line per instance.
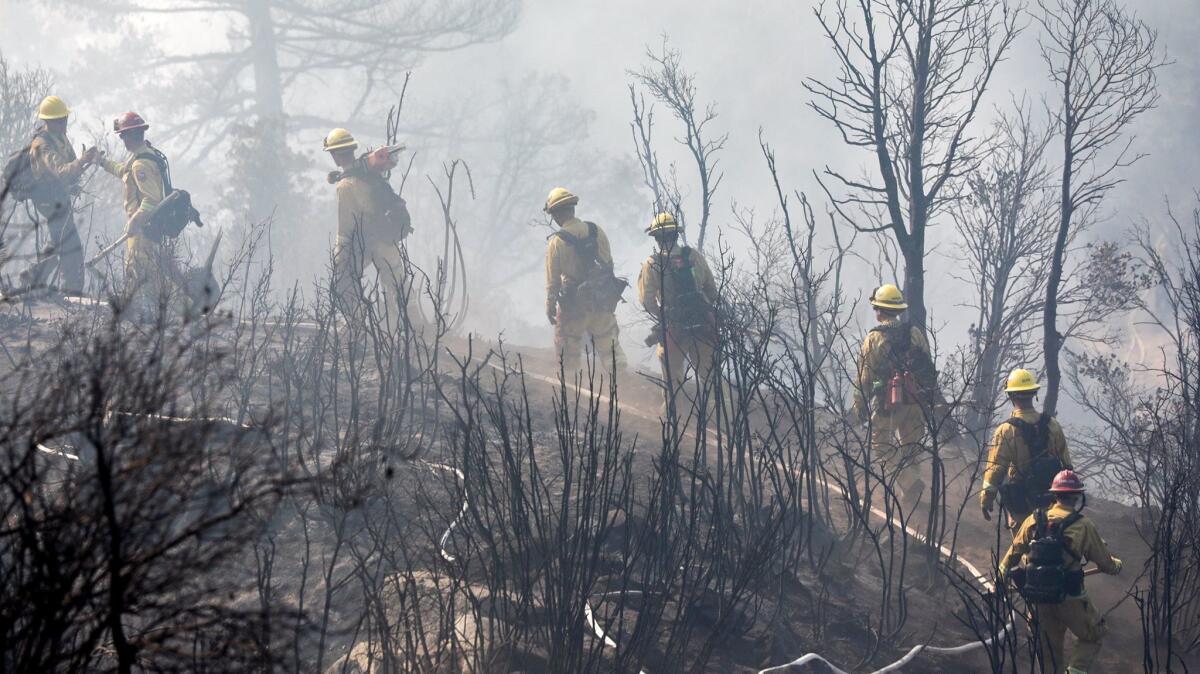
column 1052, row 631
column 673, row 359
column 606, row 340
column 63, row 250
column 399, row 288
column 1080, row 616
column 910, row 430
column 884, row 453
column 348, row 254
column 702, row 354
column 68, row 249
column 568, row 337
column 143, row 278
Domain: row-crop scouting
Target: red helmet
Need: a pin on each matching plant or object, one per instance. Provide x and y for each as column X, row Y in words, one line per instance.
column 130, row 121
column 1067, row 482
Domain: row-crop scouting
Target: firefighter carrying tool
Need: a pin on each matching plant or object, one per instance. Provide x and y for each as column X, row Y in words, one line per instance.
column 677, row 289
column 895, row 392
column 582, row 292
column 1027, row 451
column 1045, row 562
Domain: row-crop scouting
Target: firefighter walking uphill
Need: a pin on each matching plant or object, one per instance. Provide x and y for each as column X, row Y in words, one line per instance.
column 582, row 292
column 1027, row 451
column 895, row 390
column 1045, row 562
column 677, row 289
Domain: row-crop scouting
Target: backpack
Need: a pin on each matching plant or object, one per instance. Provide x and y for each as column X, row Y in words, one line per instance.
column 913, row 377
column 599, row 289
column 175, row 211
column 1030, row 490
column 393, row 206
column 1044, row 578
column 19, row 181
column 684, row 303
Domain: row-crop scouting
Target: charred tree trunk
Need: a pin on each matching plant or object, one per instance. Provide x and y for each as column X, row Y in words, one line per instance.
column 271, row 127
column 1051, row 339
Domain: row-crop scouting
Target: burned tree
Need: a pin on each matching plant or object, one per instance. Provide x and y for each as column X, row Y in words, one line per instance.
column 277, row 51
column 1104, row 62
column 1006, row 223
column 911, row 78
column 667, row 81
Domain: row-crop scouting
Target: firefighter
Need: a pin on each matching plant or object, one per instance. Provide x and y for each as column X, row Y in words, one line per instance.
column 578, row 258
column 373, row 222
column 893, row 355
column 1023, row 445
column 677, row 288
column 56, row 172
column 1079, row 540
column 145, row 177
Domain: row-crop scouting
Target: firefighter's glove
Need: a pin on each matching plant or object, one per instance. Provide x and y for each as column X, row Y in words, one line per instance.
column 1117, row 566
column 552, row 314
column 987, row 512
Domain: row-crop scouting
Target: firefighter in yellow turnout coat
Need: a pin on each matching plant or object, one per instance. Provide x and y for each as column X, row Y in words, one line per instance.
column 57, row 169
column 1081, row 543
column 896, row 429
column 1011, row 461
column 677, row 289
column 571, row 307
column 142, row 174
column 371, row 224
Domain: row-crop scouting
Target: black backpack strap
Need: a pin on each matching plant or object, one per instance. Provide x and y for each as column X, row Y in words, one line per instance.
column 1036, row 436
column 160, row 160
column 898, row 340
column 1058, row 531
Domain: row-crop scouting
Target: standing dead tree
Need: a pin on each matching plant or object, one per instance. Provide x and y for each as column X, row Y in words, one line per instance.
column 1150, row 428
column 911, row 78
column 667, row 81
column 1006, row 222
column 279, row 49
column 1103, row 61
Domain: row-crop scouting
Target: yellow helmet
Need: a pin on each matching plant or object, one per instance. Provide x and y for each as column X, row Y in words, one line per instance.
column 663, row 222
column 338, row 139
column 1021, row 381
column 559, row 197
column 53, row 107
column 888, row 296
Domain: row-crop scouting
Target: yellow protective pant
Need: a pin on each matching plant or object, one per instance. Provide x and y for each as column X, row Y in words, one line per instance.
column 573, row 324
column 146, row 273
column 1078, row 615
column 896, row 436
column 350, row 259
column 685, row 354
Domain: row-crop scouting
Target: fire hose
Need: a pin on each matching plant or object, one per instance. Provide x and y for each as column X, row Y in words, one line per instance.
column 908, row 657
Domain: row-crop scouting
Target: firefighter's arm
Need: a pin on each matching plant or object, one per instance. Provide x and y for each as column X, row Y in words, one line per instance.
column 350, row 212
column 603, row 249
column 648, row 289
column 50, row 163
column 110, row 166
column 150, row 186
column 1092, row 547
column 553, row 277
column 919, row 340
column 998, row 461
column 868, row 358
column 1019, row 547
column 706, row 282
